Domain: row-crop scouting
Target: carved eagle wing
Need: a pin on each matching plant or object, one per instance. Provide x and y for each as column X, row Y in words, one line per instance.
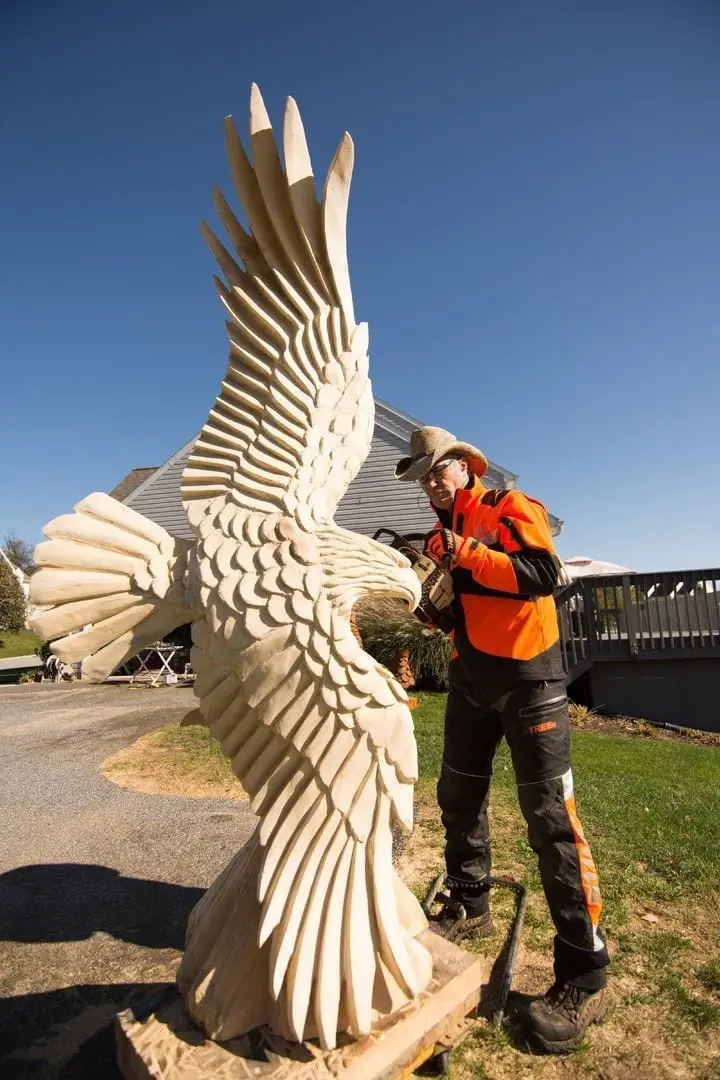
column 320, row 736
column 294, row 418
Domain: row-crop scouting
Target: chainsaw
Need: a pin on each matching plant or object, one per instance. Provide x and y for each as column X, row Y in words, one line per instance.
column 435, row 607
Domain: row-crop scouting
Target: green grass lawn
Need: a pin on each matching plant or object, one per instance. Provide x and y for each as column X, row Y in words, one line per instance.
column 651, row 812
column 650, row 809
column 18, row 643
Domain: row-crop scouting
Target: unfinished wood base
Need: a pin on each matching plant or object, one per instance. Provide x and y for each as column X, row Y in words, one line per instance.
column 164, row 1044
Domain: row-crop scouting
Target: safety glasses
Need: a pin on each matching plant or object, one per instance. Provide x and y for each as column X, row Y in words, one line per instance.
column 436, row 472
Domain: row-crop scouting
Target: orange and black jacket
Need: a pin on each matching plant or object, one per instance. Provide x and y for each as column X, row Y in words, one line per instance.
column 504, row 573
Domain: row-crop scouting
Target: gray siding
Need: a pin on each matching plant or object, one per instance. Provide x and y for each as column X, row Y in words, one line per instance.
column 159, row 497
column 375, row 499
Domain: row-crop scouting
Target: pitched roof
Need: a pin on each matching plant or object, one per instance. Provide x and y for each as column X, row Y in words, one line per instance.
column 396, row 427
column 397, row 423
column 133, row 480
column 392, row 421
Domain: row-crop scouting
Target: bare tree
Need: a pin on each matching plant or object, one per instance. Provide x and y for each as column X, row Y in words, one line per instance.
column 19, row 552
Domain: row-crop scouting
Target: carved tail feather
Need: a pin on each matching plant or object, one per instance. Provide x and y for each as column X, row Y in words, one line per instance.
column 115, row 573
column 222, row 942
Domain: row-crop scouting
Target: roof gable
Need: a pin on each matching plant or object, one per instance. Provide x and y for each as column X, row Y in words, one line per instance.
column 399, row 425
column 365, row 505
column 133, row 480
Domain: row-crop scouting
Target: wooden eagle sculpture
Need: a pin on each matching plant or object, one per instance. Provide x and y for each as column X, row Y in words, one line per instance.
column 309, row 929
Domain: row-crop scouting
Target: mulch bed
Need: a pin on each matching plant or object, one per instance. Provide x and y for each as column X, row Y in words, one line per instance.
column 640, row 729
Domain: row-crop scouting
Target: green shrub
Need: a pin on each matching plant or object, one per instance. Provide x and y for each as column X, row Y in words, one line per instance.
column 44, row 651
column 387, row 628
column 12, row 601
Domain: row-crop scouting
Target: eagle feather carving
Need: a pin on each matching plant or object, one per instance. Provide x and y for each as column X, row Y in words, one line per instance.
column 318, row 733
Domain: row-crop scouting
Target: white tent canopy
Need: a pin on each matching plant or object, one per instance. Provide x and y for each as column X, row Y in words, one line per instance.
column 584, row 566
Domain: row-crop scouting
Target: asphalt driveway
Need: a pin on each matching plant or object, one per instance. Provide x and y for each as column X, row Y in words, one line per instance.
column 96, row 881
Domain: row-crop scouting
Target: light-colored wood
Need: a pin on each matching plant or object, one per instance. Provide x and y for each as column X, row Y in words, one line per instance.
column 112, row 581
column 306, row 930
column 164, row 1044
column 226, row 925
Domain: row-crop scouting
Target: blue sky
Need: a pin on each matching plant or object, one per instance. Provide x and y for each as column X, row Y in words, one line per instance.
column 534, row 238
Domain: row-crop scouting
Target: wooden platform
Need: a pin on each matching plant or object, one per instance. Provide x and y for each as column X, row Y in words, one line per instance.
column 160, row 1042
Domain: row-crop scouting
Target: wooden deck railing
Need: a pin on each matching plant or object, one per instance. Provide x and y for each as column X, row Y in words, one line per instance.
column 647, row 615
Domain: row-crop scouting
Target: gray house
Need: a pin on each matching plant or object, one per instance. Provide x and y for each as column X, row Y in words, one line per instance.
column 374, row 499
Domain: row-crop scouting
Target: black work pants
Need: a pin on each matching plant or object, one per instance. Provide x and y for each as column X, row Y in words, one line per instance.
column 533, row 717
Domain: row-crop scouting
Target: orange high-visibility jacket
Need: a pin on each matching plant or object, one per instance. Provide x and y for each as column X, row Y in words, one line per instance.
column 504, row 573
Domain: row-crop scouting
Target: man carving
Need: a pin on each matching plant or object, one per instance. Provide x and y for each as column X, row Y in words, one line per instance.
column 507, row 679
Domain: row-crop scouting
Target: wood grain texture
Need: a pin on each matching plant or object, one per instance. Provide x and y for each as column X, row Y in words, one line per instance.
column 318, row 733
column 162, row 1043
column 109, row 583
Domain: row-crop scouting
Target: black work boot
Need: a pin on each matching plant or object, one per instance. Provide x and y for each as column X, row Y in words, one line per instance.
column 455, row 923
column 558, row 1021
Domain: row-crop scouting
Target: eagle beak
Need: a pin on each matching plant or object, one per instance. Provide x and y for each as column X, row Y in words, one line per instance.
column 409, row 588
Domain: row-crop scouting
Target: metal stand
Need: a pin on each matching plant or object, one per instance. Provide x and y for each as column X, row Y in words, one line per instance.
column 514, row 943
column 164, row 654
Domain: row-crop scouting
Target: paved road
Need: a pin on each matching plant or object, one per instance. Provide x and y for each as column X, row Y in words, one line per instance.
column 96, row 881
column 11, row 663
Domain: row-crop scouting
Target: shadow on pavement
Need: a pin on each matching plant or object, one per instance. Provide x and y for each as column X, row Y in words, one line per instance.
column 72, row 901
column 67, row 1034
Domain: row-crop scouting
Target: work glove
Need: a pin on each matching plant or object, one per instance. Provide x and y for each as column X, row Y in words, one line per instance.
column 441, row 543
